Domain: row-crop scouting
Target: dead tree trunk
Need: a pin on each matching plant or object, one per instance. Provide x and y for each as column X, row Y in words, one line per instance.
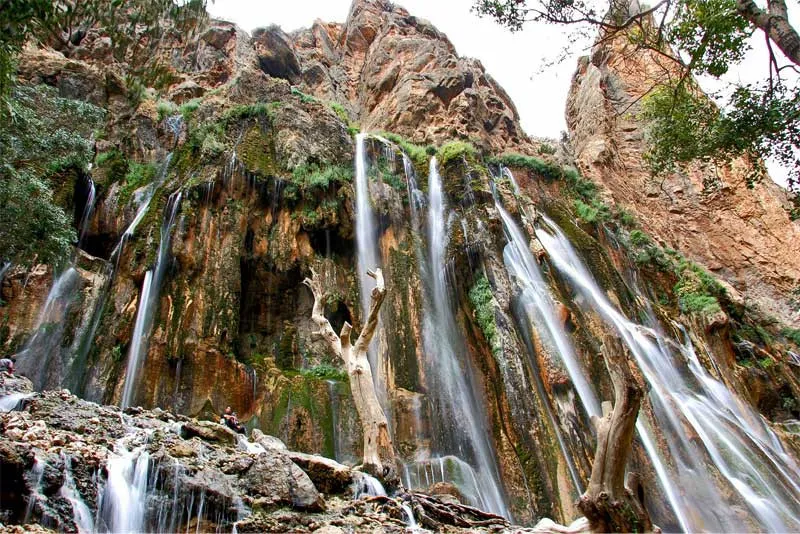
column 608, row 504
column 379, row 455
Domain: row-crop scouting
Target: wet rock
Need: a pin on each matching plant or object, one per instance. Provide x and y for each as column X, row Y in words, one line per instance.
column 273, row 479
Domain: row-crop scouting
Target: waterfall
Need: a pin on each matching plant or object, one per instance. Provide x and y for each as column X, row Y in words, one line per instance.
column 461, row 428
column 365, row 485
column 122, row 504
column 367, row 253
column 148, row 301
column 727, row 437
column 83, row 515
column 88, row 209
column 538, row 311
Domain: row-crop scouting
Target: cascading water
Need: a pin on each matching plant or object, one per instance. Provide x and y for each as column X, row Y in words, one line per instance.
column 148, row 302
column 367, row 254
column 83, row 515
column 461, row 429
column 730, row 444
column 123, row 502
column 538, row 310
column 43, row 358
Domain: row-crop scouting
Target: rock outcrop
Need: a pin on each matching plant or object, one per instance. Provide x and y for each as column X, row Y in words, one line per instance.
column 398, row 73
column 744, row 236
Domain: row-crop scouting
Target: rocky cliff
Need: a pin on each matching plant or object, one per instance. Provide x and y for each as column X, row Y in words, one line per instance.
column 215, row 194
column 745, row 236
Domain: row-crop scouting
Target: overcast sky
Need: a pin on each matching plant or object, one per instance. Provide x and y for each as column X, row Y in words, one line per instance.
column 515, row 60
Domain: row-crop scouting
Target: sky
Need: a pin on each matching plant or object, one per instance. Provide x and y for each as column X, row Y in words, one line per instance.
column 516, row 60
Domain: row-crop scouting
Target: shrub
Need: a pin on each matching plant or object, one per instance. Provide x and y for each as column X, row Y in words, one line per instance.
column 455, row 149
column 313, row 176
column 138, row 175
column 593, row 212
column 304, row 98
column 188, row 108
column 166, row 109
column 792, row 334
column 325, row 371
column 546, row 149
column 250, row 111
column 418, row 154
column 543, row 168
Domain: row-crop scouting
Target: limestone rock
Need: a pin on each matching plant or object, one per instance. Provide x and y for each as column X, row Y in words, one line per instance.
column 208, row 431
column 744, row 235
column 329, row 476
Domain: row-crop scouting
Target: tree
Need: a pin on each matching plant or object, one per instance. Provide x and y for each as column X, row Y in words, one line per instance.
column 46, row 143
column 693, row 38
column 379, row 456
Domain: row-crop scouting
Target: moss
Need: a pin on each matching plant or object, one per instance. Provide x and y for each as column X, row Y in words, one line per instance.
column 311, row 178
column 455, row 149
column 257, row 152
column 483, row 302
column 792, row 334
column 325, row 371
column 287, row 347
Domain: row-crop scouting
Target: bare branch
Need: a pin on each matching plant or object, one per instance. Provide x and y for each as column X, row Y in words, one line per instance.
column 378, row 294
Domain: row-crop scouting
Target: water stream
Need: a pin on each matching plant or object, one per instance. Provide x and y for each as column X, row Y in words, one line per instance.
column 461, row 427
column 148, row 301
column 367, row 257
column 711, row 434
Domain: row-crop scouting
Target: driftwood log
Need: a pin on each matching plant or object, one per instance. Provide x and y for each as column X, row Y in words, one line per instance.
column 379, row 455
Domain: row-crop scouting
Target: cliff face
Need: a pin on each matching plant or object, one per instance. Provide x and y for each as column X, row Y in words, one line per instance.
column 398, row 73
column 216, row 196
column 743, row 235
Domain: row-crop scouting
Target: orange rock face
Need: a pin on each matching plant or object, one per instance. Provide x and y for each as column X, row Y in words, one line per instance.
column 742, row 235
column 398, row 73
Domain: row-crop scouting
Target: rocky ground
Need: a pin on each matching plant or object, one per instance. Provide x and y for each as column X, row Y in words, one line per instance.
column 71, row 465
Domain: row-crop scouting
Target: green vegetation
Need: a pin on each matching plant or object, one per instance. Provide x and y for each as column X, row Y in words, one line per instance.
column 418, row 154
column 455, row 149
column 250, row 111
column 312, row 176
column 759, row 120
column 166, row 109
column 792, row 334
column 535, row 165
column 483, row 302
column 187, row 109
column 304, row 98
column 593, row 212
column 45, row 145
column 325, row 371
column 138, row 175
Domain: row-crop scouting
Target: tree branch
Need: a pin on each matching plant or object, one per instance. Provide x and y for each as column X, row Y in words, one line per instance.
column 378, row 294
column 318, row 313
column 774, row 23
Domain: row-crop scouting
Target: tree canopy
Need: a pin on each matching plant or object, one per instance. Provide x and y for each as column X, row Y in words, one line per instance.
column 694, row 38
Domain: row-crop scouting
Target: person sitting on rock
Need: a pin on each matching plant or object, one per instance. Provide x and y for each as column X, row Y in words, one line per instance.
column 7, row 365
column 230, row 420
